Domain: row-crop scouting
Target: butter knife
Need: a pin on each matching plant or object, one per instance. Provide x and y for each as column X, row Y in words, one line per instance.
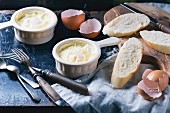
column 162, row 27
column 30, row 82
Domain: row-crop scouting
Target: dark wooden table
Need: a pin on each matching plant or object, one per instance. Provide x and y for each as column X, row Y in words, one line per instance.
column 12, row 94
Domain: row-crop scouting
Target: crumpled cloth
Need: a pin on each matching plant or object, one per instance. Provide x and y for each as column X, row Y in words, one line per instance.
column 106, row 99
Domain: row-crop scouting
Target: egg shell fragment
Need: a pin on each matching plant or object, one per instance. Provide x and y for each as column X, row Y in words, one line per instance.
column 72, row 18
column 153, row 83
column 90, row 28
column 151, row 94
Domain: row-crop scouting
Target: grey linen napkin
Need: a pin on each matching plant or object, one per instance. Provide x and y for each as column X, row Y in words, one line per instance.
column 105, row 99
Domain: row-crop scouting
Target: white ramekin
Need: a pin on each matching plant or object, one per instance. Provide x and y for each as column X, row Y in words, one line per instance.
column 75, row 70
column 32, row 36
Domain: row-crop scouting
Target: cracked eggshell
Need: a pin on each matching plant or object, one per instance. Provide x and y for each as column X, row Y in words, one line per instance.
column 72, row 18
column 159, row 77
column 90, row 28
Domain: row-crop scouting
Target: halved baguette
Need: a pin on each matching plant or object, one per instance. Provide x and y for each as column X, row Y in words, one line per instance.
column 126, row 24
column 127, row 62
column 157, row 40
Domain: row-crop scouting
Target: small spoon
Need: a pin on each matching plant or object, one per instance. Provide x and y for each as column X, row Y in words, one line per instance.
column 16, row 70
column 33, row 84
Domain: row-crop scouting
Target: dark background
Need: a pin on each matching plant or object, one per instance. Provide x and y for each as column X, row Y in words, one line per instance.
column 65, row 4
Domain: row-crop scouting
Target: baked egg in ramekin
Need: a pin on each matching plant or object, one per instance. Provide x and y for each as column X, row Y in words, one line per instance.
column 75, row 57
column 33, row 25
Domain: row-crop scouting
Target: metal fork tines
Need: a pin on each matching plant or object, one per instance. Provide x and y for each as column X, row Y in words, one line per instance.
column 23, row 58
column 9, row 56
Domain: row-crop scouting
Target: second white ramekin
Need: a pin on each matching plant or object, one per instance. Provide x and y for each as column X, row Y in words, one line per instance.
column 75, row 70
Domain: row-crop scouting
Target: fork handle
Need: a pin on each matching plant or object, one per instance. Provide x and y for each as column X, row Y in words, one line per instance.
column 48, row 89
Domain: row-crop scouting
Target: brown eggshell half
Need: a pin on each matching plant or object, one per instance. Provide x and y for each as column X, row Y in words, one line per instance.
column 72, row 18
column 161, row 77
column 90, row 28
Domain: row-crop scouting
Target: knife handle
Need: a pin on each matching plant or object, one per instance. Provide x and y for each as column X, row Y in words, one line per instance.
column 69, row 83
column 164, row 28
column 47, row 88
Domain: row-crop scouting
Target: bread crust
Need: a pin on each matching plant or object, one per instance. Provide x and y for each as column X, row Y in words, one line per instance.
column 156, row 45
column 118, row 81
column 130, row 22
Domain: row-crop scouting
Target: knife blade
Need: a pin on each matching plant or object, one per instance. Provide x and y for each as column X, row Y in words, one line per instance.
column 30, row 82
column 67, row 82
column 162, row 27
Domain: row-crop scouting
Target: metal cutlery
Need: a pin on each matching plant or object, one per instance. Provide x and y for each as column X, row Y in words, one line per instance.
column 28, row 81
column 23, row 58
column 56, row 77
column 15, row 69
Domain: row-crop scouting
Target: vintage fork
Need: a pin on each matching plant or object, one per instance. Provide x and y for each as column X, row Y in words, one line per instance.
column 23, row 58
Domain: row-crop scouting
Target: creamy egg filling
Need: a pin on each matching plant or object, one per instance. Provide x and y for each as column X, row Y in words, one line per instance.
column 34, row 19
column 77, row 51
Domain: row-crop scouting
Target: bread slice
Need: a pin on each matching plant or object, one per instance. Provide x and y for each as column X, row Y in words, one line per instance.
column 126, row 24
column 157, row 40
column 127, row 62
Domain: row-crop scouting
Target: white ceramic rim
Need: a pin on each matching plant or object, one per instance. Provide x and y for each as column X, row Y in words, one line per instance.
column 51, row 13
column 56, row 56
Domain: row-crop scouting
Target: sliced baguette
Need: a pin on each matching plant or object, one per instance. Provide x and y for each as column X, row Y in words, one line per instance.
column 126, row 24
column 157, row 40
column 127, row 62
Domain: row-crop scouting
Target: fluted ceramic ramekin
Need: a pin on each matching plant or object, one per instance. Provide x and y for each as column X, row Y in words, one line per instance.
column 75, row 70
column 32, row 36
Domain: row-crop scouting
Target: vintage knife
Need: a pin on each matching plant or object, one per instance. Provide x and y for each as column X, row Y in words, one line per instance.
column 52, row 94
column 69, row 83
column 153, row 20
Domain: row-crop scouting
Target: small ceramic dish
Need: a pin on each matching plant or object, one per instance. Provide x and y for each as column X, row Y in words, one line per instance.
column 30, row 35
column 78, row 69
